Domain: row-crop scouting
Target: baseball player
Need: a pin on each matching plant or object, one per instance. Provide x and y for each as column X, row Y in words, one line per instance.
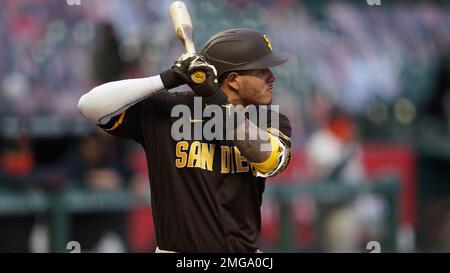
column 205, row 194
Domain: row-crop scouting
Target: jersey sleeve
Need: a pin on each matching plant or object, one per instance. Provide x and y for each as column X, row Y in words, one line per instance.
column 125, row 125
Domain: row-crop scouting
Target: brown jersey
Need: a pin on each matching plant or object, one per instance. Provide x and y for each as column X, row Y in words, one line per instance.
column 205, row 196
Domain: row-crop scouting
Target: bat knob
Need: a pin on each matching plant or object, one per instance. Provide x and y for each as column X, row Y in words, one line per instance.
column 198, row 76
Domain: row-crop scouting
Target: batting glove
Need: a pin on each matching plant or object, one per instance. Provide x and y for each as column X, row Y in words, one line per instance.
column 195, row 71
column 172, row 78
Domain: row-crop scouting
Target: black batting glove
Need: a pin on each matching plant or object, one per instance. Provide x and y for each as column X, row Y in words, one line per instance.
column 170, row 79
column 203, row 77
column 195, row 71
column 177, row 75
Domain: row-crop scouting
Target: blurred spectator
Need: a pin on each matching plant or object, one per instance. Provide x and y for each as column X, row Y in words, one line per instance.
column 333, row 151
column 16, row 167
column 107, row 64
column 16, row 162
column 438, row 107
column 97, row 164
column 334, row 154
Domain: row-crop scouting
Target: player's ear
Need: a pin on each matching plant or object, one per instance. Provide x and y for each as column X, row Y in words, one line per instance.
column 232, row 81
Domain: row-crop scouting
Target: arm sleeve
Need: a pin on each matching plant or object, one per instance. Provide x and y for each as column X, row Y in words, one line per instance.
column 111, row 99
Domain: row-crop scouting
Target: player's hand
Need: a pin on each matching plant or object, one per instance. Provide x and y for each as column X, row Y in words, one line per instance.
column 181, row 66
column 195, row 71
column 177, row 74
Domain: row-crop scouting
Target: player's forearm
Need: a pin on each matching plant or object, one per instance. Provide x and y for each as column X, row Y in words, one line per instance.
column 255, row 150
column 264, row 151
column 266, row 154
column 110, row 99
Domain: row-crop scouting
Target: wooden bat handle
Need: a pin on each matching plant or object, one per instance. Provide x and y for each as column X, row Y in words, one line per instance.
column 182, row 24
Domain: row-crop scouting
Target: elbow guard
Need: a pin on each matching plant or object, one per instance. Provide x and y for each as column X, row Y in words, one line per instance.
column 271, row 164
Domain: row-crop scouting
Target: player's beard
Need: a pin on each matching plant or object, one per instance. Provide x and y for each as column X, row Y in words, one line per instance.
column 258, row 97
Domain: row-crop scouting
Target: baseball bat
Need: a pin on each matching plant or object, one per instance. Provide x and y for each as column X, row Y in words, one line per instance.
column 182, row 24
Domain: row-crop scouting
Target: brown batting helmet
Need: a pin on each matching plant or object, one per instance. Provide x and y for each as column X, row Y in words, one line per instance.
column 240, row 49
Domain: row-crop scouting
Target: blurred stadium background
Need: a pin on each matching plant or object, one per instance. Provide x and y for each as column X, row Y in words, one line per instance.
column 366, row 90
